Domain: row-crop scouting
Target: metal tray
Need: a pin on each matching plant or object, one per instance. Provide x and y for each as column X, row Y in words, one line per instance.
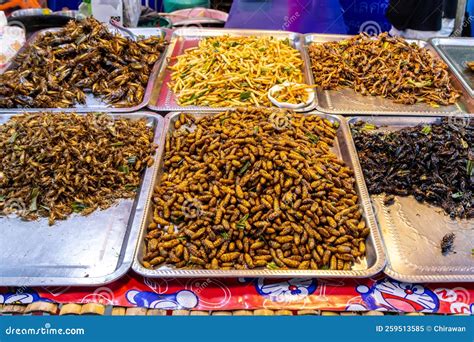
column 94, row 103
column 371, row 265
column 82, row 250
column 346, row 101
column 412, row 231
column 162, row 97
column 456, row 52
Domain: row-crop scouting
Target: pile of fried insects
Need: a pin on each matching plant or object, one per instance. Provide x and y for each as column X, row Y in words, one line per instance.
column 61, row 67
column 255, row 188
column 56, row 164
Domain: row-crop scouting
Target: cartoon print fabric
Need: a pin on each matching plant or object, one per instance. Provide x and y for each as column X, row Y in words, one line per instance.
column 381, row 294
column 391, row 295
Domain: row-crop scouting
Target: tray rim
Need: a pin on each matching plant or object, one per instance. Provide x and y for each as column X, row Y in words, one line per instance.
column 436, row 44
column 108, row 108
column 389, row 270
column 130, row 242
column 211, row 32
column 364, row 202
column 332, row 37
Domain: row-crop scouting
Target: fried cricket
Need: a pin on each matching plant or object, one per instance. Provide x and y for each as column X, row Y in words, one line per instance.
column 434, row 163
column 55, row 164
column 383, row 66
column 83, row 57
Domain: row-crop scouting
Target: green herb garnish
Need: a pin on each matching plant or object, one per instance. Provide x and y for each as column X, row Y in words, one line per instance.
column 457, row 195
column 302, row 153
column 34, row 199
column 225, row 235
column 117, row 144
column 272, row 266
column 78, row 207
column 369, row 127
column 426, row 129
column 124, row 169
column 243, row 220
column 177, row 220
column 132, row 187
column 245, row 95
column 470, row 168
column 244, row 168
column 313, row 138
column 13, row 138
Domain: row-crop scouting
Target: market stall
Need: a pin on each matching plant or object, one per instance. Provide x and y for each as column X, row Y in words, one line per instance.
column 223, row 170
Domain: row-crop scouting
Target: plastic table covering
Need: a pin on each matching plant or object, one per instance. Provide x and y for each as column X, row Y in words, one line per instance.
column 380, row 294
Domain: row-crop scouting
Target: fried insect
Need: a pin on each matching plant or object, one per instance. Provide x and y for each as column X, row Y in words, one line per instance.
column 383, row 66
column 83, row 57
column 55, row 164
column 265, row 189
column 434, row 163
column 470, row 65
column 229, row 71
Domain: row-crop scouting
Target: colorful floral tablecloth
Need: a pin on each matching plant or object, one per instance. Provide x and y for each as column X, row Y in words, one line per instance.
column 381, row 293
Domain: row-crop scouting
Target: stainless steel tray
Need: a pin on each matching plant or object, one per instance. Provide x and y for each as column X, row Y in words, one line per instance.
column 346, row 101
column 94, row 103
column 412, row 231
column 162, row 97
column 371, row 265
column 456, row 52
column 82, row 250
